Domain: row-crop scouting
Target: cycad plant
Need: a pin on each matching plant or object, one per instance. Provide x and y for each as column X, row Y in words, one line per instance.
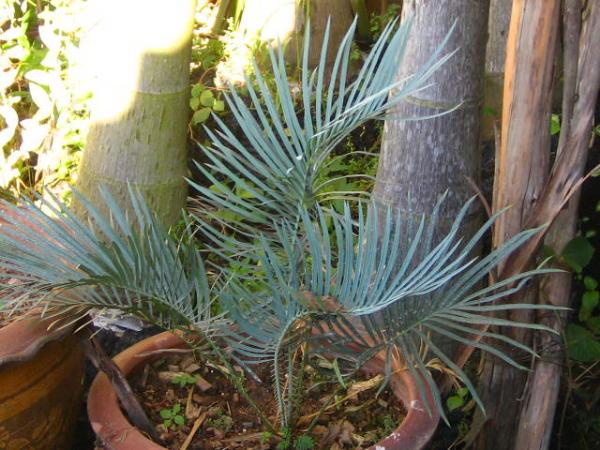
column 266, row 272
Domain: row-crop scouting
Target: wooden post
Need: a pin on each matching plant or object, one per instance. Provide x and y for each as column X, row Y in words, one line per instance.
column 521, row 172
column 581, row 83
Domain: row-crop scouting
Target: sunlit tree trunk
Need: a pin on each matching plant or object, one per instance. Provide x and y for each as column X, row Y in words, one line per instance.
column 139, row 115
column 420, row 160
column 521, row 171
column 286, row 20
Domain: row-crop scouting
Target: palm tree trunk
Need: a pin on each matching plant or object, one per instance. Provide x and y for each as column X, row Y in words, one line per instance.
column 420, row 160
column 140, row 109
column 285, row 20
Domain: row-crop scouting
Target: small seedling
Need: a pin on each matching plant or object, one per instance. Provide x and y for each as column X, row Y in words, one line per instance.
column 265, row 437
column 456, row 401
column 203, row 102
column 286, row 439
column 183, row 380
column 304, row 442
column 172, row 416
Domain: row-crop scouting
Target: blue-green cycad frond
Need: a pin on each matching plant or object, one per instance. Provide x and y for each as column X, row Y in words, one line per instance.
column 277, row 160
column 358, row 287
column 128, row 263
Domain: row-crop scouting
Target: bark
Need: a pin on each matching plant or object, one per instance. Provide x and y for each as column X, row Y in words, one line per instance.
column 139, row 115
column 537, row 415
column 522, row 168
column 495, row 55
column 285, row 20
column 420, row 160
column 565, row 178
column 380, row 7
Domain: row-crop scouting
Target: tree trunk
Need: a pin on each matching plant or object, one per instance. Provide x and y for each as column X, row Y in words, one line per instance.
column 285, row 20
column 495, row 55
column 522, row 168
column 420, row 160
column 139, row 114
column 582, row 77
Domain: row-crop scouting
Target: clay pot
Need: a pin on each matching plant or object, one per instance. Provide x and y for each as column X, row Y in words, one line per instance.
column 41, row 379
column 116, row 433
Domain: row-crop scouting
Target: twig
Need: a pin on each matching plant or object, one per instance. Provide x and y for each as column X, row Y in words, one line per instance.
column 169, row 351
column 482, row 199
column 197, row 424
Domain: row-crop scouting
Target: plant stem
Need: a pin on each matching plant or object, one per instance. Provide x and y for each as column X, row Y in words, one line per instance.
column 239, row 385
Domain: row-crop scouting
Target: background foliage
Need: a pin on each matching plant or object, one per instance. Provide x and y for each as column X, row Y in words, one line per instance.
column 43, row 117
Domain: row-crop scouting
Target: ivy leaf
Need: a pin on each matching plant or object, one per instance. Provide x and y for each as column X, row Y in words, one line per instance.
column 554, row 124
column 454, row 402
column 178, row 420
column 197, row 89
column 578, row 253
column 219, row 106
column 593, row 324
column 589, row 301
column 582, row 345
column 590, row 283
column 201, row 116
column 194, row 103
column 207, row 98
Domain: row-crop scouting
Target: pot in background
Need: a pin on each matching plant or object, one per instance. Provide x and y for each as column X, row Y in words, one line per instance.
column 41, row 380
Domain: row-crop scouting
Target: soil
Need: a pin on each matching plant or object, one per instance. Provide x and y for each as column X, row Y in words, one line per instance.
column 218, row 418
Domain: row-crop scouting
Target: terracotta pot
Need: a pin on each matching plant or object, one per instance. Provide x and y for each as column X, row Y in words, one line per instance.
column 116, row 433
column 41, row 379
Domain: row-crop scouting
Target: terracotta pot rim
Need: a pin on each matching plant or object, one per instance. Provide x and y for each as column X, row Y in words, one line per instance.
column 116, row 433
column 22, row 339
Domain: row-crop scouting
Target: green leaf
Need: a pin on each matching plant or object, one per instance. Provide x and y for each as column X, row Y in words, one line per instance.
column 489, row 111
column 219, row 106
column 596, row 424
column 165, row 413
column 194, row 103
column 590, row 300
column 201, row 116
column 590, row 283
column 582, row 345
column 454, row 402
column 167, row 423
column 578, row 253
column 304, row 442
column 554, row 124
column 176, row 408
column 197, row 90
column 179, row 420
column 593, row 324
column 207, row 98
column 463, row 392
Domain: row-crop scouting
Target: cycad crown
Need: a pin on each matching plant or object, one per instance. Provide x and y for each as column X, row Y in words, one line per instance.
column 332, row 281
